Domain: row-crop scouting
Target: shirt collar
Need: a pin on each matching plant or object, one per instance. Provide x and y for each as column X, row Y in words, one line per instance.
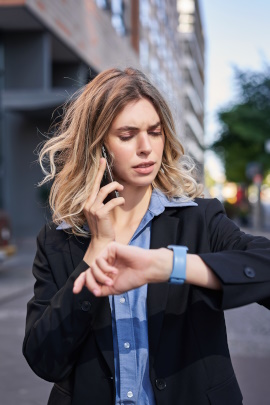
column 158, row 203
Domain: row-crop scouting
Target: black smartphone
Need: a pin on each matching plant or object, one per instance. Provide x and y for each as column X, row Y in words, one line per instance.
column 109, row 172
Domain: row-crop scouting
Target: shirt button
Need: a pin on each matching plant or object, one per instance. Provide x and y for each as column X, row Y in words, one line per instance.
column 130, row 394
column 122, row 300
column 127, row 346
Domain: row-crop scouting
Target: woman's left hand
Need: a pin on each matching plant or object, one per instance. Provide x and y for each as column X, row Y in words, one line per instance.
column 120, row 268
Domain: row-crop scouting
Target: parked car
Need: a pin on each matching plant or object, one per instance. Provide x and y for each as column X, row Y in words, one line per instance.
column 6, row 247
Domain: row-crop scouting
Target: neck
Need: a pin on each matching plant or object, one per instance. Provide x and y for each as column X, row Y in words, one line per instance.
column 136, row 203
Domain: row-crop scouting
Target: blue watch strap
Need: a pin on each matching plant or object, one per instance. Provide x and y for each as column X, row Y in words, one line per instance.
column 178, row 275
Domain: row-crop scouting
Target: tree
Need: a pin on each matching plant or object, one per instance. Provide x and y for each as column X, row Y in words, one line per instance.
column 245, row 126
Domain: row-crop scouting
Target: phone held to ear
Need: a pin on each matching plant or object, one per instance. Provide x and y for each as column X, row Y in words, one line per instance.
column 104, row 154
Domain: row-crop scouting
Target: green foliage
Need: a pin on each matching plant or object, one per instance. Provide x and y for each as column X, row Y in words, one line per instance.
column 245, row 125
column 209, row 181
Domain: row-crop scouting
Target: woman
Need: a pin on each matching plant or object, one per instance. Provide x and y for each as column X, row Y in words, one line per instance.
column 162, row 340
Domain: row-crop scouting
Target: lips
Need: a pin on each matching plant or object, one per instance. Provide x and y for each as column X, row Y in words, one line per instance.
column 144, row 168
column 142, row 165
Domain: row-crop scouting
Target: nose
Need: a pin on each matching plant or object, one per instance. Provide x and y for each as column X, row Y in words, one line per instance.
column 144, row 146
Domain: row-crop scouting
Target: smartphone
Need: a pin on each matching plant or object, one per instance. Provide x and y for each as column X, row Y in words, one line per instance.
column 109, row 172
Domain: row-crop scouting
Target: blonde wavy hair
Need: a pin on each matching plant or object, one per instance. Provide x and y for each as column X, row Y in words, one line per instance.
column 71, row 156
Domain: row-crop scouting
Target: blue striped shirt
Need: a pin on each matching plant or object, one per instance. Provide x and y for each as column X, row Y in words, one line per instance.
column 129, row 321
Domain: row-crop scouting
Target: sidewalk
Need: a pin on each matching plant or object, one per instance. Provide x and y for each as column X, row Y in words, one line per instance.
column 16, row 272
column 248, row 330
column 257, row 232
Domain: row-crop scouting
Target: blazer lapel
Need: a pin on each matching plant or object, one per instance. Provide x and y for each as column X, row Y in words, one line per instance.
column 164, row 232
column 102, row 327
column 102, row 324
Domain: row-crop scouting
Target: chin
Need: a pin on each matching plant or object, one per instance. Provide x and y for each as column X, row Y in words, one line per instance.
column 138, row 181
column 144, row 182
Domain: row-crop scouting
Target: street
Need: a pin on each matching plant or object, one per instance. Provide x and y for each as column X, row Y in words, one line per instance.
column 248, row 333
column 18, row 384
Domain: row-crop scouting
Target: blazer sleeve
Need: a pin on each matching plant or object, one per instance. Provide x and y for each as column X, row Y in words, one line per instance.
column 57, row 320
column 240, row 261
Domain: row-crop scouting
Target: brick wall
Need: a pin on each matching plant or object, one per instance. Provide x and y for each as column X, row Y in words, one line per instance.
column 87, row 30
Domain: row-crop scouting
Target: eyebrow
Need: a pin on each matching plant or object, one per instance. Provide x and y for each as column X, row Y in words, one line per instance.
column 130, row 128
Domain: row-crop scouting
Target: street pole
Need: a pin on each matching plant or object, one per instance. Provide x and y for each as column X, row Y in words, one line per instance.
column 1, row 123
column 258, row 209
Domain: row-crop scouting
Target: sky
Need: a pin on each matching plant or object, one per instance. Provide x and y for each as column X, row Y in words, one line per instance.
column 237, row 33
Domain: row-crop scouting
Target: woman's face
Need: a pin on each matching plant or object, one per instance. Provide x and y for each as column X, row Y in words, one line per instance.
column 136, row 141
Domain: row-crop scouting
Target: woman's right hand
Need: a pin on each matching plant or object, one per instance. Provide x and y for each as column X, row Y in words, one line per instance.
column 97, row 214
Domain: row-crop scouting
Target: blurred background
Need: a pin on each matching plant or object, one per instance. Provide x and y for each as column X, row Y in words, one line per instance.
column 210, row 59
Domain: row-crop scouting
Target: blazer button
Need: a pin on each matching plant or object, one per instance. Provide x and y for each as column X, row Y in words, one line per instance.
column 250, row 272
column 85, row 306
column 160, row 384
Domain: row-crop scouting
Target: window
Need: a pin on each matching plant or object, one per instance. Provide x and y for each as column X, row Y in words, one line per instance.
column 144, row 53
column 102, row 4
column 118, row 16
column 144, row 13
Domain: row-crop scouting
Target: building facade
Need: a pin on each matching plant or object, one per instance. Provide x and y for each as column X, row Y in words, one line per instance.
column 172, row 53
column 48, row 49
column 192, row 45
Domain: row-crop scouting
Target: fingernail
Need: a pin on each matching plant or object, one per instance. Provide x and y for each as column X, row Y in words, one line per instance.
column 96, row 291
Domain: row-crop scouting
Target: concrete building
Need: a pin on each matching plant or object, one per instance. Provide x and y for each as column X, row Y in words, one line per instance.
column 48, row 49
column 172, row 53
column 160, row 52
column 192, row 46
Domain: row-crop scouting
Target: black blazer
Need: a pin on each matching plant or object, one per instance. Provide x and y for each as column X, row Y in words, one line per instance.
column 68, row 337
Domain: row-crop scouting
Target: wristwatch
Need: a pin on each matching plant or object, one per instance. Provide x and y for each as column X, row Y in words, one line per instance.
column 178, row 274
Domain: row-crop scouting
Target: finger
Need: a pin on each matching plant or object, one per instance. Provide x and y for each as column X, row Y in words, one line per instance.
column 109, row 206
column 99, row 276
column 116, row 251
column 106, row 190
column 104, row 291
column 91, row 282
column 96, row 186
column 109, row 254
column 105, row 266
column 79, row 283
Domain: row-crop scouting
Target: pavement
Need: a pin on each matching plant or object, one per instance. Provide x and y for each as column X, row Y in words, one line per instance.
column 15, row 272
column 18, row 383
column 248, row 330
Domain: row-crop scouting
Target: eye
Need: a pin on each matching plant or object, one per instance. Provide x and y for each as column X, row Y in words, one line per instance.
column 155, row 133
column 125, row 138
